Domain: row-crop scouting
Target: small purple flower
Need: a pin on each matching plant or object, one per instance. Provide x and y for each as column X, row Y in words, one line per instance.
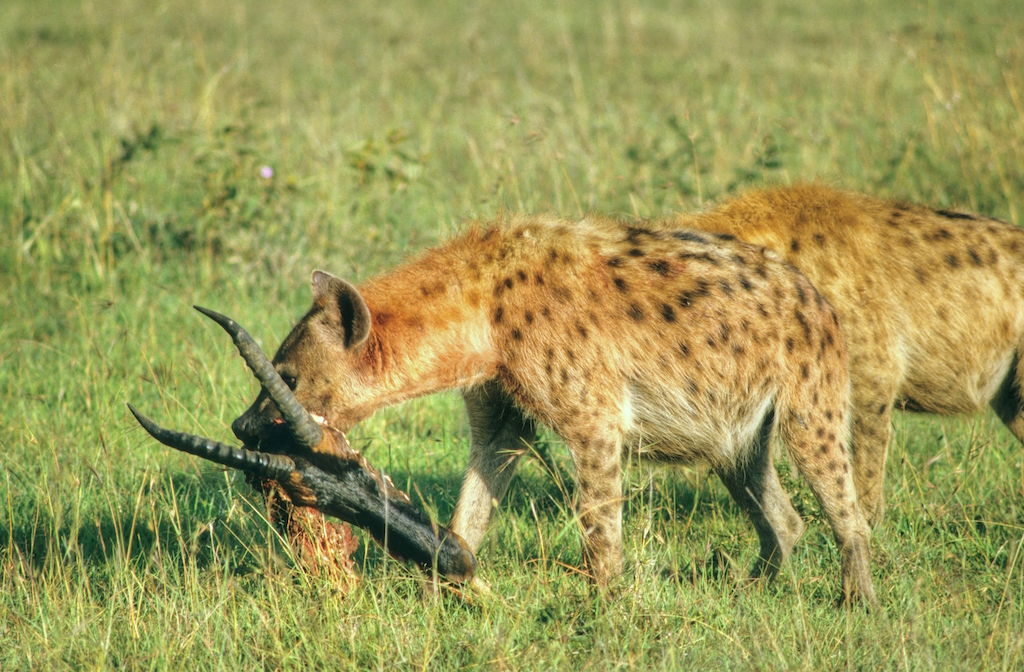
column 266, row 172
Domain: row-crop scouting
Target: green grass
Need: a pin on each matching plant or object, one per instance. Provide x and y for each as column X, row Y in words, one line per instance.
column 132, row 139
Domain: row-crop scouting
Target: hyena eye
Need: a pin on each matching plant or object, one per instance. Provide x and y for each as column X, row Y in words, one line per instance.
column 289, row 381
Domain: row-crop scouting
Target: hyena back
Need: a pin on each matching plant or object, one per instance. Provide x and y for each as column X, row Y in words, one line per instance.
column 931, row 303
column 676, row 345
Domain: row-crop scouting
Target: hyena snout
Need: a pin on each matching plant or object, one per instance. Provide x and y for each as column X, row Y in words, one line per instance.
column 261, row 426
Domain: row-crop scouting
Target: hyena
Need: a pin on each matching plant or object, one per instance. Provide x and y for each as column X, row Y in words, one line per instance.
column 677, row 346
column 931, row 303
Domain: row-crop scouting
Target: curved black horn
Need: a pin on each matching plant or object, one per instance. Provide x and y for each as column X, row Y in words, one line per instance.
column 265, row 465
column 307, row 431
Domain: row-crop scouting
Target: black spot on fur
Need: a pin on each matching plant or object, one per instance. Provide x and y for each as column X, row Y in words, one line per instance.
column 689, row 236
column 615, row 262
column 498, row 313
column 745, row 283
column 636, row 312
column 660, row 267
column 726, row 287
column 685, row 300
column 794, row 245
column 521, row 274
column 952, row 260
column 538, row 279
column 545, row 312
column 570, row 354
column 635, row 252
column 711, row 341
column 668, row 313
column 725, row 236
column 800, row 296
column 723, row 332
column 789, row 345
column 950, row 214
column 975, row 259
column 805, row 373
column 621, row 285
column 804, row 324
column 761, row 309
column 529, row 317
column 634, row 233
column 695, row 256
column 684, row 349
column 581, row 330
column 517, row 335
column 819, row 239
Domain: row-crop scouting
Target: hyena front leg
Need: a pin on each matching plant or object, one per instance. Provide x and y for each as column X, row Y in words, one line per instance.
column 599, row 501
column 754, row 484
column 500, row 434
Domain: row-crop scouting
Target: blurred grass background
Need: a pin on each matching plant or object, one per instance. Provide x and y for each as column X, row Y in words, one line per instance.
column 135, row 141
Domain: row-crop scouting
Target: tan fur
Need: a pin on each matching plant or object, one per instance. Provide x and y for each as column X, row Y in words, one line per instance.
column 931, row 303
column 676, row 346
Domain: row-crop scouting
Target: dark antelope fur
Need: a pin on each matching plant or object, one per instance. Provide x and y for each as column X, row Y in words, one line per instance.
column 324, row 473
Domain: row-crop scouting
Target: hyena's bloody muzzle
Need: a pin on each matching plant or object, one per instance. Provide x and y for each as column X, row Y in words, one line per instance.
column 324, row 473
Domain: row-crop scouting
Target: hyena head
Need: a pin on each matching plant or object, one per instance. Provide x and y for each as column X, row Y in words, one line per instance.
column 320, row 360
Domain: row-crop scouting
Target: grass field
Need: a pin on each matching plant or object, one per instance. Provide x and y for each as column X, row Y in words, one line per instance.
column 134, row 137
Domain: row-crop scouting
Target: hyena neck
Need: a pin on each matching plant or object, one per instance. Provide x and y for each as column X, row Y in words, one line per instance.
column 430, row 332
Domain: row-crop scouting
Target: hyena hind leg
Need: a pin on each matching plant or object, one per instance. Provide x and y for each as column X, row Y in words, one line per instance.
column 499, row 435
column 754, row 484
column 871, row 431
column 821, row 456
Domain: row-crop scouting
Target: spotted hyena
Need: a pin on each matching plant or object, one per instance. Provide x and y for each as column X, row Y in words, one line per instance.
column 675, row 345
column 931, row 303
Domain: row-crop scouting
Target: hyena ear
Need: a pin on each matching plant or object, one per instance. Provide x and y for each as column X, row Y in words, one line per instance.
column 342, row 302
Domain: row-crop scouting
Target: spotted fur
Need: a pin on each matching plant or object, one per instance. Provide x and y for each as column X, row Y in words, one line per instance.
column 675, row 345
column 931, row 303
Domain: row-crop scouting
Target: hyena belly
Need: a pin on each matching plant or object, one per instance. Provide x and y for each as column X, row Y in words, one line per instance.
column 931, row 303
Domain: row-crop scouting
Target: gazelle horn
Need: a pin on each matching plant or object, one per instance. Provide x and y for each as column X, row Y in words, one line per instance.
column 307, row 431
column 265, row 465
